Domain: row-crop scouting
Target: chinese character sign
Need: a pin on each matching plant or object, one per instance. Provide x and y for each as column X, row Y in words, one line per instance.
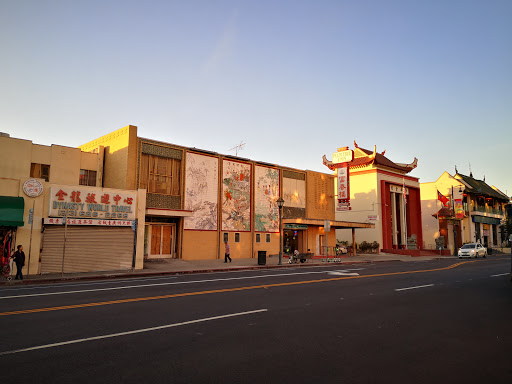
column 92, row 203
column 343, row 184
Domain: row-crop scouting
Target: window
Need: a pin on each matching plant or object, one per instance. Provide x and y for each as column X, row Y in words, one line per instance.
column 226, row 238
column 258, row 237
column 87, row 177
column 160, row 175
column 237, row 237
column 268, row 237
column 40, row 171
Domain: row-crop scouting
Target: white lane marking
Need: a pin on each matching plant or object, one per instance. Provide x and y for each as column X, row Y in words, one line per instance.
column 419, row 286
column 69, row 285
column 501, row 274
column 343, row 272
column 131, row 332
column 156, row 285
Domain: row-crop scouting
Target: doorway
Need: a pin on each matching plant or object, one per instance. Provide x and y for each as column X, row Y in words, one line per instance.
column 162, row 241
column 292, row 241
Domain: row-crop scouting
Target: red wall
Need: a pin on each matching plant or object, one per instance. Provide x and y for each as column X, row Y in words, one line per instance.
column 413, row 215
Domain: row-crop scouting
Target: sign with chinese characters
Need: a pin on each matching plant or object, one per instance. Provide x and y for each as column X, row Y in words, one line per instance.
column 108, row 223
column 91, row 203
column 342, row 157
column 32, row 188
column 343, row 186
column 398, row 189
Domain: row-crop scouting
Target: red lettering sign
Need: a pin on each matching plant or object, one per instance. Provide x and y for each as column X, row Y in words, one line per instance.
column 105, row 199
column 61, row 194
column 75, row 197
column 128, row 200
column 116, row 199
column 91, row 198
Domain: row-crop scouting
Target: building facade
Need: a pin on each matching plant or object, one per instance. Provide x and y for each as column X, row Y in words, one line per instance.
column 382, row 192
column 461, row 209
column 197, row 199
column 53, row 203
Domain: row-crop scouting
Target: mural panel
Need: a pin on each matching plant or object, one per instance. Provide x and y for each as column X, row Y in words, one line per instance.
column 294, row 193
column 201, row 192
column 266, row 211
column 236, row 196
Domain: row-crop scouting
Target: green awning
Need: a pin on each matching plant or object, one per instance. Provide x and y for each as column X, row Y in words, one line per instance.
column 11, row 211
column 486, row 220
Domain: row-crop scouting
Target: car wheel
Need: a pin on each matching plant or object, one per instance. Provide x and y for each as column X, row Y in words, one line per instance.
column 460, row 257
column 485, row 254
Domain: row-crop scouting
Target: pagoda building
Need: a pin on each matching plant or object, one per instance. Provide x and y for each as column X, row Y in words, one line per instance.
column 382, row 192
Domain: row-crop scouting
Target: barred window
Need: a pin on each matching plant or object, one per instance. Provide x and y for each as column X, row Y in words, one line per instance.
column 87, row 177
column 160, row 175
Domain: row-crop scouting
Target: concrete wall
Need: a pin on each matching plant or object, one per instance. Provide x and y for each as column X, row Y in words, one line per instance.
column 365, row 203
column 120, row 152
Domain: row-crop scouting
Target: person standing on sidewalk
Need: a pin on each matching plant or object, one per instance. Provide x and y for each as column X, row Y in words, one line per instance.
column 19, row 259
column 227, row 252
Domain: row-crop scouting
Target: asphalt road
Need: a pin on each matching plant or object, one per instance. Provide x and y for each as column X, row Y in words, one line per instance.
column 441, row 321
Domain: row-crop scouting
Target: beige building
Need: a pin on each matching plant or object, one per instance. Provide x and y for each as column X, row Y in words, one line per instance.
column 53, row 203
column 197, row 199
column 460, row 209
column 382, row 193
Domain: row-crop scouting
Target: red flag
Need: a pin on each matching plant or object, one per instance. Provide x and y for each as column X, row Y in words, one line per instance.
column 443, row 199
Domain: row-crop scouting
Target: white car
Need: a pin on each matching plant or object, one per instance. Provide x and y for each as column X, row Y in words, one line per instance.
column 472, row 250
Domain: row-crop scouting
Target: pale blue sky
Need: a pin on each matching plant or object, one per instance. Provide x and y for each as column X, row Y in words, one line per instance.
column 294, row 80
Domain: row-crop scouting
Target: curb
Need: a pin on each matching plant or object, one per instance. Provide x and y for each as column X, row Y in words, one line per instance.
column 114, row 276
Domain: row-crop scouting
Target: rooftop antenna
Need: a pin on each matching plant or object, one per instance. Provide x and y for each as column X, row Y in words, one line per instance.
column 470, row 173
column 238, row 147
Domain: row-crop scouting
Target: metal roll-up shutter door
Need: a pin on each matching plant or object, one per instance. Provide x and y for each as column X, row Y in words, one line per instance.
column 88, row 249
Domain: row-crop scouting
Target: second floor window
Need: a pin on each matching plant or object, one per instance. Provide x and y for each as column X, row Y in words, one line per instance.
column 160, row 175
column 87, row 177
column 40, row 171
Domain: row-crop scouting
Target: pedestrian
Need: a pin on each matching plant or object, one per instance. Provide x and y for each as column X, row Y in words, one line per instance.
column 228, row 251
column 19, row 259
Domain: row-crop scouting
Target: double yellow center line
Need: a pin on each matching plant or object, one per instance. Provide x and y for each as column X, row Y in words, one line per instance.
column 265, row 286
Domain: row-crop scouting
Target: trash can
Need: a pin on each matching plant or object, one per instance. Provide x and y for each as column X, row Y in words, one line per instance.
column 262, row 257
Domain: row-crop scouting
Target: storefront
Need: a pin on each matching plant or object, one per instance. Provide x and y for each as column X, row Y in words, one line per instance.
column 89, row 229
column 11, row 217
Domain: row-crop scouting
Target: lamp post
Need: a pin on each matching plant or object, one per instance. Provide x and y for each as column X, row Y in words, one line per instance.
column 280, row 203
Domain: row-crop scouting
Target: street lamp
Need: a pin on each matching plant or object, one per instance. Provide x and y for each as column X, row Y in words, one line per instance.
column 280, row 203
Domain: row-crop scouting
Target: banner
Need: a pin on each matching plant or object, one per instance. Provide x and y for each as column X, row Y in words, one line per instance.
column 459, row 210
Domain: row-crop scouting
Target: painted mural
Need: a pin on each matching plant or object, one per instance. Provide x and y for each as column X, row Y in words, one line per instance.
column 236, row 196
column 294, row 193
column 201, row 192
column 266, row 211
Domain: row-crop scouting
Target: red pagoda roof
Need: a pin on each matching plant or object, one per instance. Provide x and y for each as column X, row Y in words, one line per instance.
column 364, row 157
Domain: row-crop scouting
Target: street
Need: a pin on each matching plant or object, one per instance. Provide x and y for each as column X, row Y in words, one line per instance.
column 438, row 321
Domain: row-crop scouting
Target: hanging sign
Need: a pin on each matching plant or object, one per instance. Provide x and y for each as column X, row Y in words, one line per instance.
column 342, row 156
column 343, row 185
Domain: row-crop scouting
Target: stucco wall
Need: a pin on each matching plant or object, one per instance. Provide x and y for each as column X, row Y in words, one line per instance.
column 120, row 151
column 15, row 155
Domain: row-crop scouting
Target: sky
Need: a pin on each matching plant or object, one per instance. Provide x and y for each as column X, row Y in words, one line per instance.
column 293, row 80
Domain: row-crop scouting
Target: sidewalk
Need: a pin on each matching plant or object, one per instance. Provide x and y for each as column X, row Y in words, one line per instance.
column 176, row 266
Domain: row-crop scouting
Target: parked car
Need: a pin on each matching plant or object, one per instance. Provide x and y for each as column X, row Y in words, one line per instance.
column 472, row 250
